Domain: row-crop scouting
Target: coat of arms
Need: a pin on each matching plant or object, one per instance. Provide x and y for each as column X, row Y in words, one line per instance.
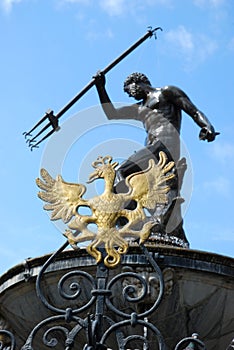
column 118, row 217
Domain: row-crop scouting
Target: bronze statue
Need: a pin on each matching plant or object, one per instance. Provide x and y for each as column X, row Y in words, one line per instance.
column 159, row 109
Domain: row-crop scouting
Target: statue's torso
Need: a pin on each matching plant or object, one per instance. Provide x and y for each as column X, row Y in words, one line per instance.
column 161, row 119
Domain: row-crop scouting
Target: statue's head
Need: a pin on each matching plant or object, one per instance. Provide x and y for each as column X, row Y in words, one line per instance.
column 132, row 85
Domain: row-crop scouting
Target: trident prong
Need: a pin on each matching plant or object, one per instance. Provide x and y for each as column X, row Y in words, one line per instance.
column 53, row 119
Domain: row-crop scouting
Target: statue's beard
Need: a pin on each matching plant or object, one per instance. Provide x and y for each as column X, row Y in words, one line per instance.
column 135, row 91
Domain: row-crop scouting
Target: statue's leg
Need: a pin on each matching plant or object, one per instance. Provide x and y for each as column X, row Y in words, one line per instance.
column 137, row 162
column 175, row 221
column 168, row 216
column 140, row 160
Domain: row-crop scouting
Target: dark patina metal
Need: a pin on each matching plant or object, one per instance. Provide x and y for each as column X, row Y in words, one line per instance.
column 98, row 324
column 53, row 119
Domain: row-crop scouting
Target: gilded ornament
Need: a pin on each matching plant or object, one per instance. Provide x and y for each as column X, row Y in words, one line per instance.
column 146, row 189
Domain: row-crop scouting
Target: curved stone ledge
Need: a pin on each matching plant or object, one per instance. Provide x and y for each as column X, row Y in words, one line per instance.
column 166, row 256
column 198, row 297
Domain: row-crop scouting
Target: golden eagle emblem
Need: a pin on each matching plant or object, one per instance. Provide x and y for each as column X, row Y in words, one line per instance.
column 146, row 189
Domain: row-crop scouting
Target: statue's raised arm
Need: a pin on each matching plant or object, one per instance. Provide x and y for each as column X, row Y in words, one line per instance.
column 167, row 101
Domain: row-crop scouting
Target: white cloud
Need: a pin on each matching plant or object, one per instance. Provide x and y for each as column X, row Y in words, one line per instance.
column 82, row 2
column 221, row 186
column 209, row 3
column 94, row 34
column 191, row 48
column 113, row 7
column 8, row 4
column 223, row 151
column 224, row 235
column 231, row 44
column 216, row 9
column 205, row 47
column 120, row 7
column 182, row 38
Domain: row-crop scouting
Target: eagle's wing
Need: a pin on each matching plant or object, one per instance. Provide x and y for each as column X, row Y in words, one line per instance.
column 63, row 197
column 149, row 187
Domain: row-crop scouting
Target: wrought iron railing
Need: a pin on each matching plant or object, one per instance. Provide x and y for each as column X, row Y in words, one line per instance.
column 98, row 323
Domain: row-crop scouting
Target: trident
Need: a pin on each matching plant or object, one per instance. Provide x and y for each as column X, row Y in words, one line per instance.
column 53, row 119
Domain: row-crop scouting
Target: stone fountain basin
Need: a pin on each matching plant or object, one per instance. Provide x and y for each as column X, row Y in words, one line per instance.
column 198, row 298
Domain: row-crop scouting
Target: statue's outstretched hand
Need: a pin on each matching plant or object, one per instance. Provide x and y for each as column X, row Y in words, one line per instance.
column 208, row 133
column 99, row 78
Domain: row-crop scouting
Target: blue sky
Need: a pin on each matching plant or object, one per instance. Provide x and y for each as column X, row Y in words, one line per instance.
column 50, row 49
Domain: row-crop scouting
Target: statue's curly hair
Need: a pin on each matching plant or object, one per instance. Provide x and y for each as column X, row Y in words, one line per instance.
column 135, row 78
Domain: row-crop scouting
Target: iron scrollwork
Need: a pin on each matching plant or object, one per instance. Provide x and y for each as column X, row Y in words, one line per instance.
column 99, row 323
column 97, row 326
column 7, row 340
column 231, row 345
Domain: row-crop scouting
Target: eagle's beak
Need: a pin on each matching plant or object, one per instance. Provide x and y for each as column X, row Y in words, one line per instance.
column 93, row 177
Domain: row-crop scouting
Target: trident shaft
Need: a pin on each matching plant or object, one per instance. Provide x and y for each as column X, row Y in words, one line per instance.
column 52, row 120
